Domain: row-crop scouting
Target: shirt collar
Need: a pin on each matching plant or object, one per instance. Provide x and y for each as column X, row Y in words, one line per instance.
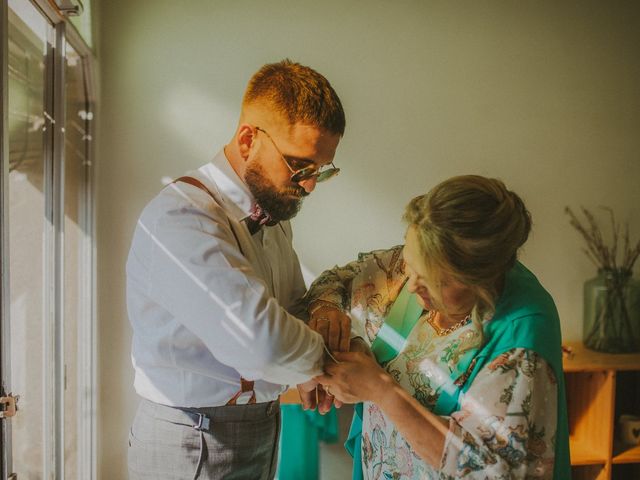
column 235, row 192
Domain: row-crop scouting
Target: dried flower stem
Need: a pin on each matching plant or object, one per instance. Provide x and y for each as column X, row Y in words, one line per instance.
column 602, row 255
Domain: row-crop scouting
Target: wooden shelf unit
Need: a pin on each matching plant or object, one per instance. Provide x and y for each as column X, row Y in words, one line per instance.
column 600, row 387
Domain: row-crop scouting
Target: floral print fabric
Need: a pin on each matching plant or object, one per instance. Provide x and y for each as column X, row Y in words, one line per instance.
column 506, row 425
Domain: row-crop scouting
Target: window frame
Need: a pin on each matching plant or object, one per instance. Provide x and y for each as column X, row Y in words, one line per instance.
column 53, row 320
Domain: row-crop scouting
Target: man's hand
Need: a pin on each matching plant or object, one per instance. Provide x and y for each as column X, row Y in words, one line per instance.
column 307, row 392
column 334, row 326
column 313, row 395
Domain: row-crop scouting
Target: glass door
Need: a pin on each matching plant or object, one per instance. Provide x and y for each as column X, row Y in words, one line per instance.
column 48, row 331
column 75, row 256
column 30, row 233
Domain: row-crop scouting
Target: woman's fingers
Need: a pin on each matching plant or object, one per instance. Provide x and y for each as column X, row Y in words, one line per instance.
column 322, row 327
column 335, row 331
column 345, row 333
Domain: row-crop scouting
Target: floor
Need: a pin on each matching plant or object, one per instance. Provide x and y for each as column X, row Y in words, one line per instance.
column 335, row 462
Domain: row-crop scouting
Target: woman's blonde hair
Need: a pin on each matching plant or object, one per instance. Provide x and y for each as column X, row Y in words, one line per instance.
column 469, row 228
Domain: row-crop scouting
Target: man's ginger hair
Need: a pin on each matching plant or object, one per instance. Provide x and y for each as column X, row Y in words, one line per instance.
column 298, row 93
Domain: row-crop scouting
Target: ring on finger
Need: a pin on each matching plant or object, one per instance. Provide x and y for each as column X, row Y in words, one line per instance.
column 326, row 389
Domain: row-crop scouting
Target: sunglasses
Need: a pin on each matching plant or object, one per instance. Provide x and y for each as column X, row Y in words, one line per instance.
column 305, row 173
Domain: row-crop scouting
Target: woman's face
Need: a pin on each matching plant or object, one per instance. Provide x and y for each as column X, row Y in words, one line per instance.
column 456, row 298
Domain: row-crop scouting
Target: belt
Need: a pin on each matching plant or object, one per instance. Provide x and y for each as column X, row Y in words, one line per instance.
column 202, row 418
column 199, row 421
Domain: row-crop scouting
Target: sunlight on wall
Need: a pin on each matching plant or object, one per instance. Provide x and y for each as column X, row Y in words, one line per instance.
column 191, row 115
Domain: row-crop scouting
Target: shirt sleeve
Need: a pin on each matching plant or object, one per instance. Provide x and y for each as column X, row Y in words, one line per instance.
column 200, row 276
column 342, row 285
column 507, row 423
column 334, row 286
column 364, row 288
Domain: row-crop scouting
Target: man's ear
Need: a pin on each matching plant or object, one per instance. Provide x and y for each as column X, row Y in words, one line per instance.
column 245, row 137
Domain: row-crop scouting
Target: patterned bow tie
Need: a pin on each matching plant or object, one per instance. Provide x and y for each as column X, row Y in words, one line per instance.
column 257, row 218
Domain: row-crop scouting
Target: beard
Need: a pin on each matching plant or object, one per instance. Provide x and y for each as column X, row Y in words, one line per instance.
column 280, row 203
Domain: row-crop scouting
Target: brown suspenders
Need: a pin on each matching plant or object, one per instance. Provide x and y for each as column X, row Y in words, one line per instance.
column 245, row 385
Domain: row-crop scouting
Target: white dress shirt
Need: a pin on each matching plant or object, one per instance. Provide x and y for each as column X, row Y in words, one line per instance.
column 210, row 303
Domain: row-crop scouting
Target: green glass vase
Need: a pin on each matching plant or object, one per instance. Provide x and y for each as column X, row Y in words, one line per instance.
column 612, row 312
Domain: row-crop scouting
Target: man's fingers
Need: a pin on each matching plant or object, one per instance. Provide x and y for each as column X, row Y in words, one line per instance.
column 325, row 406
column 312, row 400
column 307, row 404
column 325, row 400
column 308, row 398
column 321, row 397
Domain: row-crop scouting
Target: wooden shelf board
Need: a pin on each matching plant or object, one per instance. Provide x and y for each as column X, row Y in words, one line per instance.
column 590, row 472
column 290, row 396
column 585, row 360
column 627, row 454
column 583, row 454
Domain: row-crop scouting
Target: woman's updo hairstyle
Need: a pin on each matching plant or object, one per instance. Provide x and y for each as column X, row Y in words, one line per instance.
column 470, row 228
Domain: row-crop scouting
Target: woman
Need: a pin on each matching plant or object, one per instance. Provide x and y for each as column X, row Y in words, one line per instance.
column 465, row 379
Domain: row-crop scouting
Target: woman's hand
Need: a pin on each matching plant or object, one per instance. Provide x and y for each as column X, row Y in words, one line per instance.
column 333, row 324
column 357, row 378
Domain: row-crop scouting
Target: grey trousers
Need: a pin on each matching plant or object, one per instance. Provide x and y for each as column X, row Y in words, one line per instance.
column 240, row 443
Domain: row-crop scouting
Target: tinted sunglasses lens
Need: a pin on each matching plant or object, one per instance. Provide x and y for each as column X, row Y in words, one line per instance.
column 304, row 174
column 327, row 174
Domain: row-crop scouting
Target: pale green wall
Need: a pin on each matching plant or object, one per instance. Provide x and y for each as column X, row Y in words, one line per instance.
column 545, row 95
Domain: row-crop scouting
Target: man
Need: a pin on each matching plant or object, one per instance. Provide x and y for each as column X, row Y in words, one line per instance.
column 213, row 280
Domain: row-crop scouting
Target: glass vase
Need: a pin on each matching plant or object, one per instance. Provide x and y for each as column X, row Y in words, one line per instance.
column 612, row 312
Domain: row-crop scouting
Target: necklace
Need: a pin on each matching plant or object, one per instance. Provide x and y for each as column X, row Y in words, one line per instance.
column 441, row 332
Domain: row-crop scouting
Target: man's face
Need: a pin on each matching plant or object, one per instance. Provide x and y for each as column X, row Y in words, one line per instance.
column 267, row 174
column 282, row 203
